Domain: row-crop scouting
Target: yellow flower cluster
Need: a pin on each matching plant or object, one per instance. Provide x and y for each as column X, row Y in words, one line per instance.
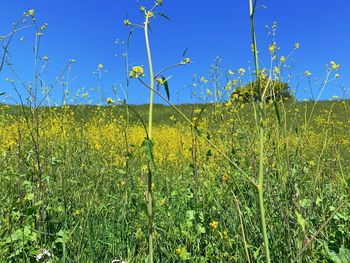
column 110, row 101
column 272, row 47
column 307, row 73
column 185, row 61
column 136, row 72
column 214, row 224
column 334, row 65
column 241, row 71
column 31, row 12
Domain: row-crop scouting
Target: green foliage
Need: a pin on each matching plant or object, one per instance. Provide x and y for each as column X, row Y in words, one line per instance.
column 342, row 256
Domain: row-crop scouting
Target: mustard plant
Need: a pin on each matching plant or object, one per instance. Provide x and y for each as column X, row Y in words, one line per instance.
column 252, row 8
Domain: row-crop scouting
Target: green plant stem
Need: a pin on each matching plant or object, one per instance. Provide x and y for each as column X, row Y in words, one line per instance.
column 261, row 135
column 167, row 68
column 242, row 227
column 150, row 119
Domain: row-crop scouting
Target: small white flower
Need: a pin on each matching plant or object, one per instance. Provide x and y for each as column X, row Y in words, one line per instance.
column 38, row 257
column 44, row 255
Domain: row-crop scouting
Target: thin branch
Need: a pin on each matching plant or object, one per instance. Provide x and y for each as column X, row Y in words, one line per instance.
column 167, row 68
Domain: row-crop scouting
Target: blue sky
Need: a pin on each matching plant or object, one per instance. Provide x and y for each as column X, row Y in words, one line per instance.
column 87, row 30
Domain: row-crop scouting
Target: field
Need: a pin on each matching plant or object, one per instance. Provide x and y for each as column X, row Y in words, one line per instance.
column 247, row 171
column 93, row 184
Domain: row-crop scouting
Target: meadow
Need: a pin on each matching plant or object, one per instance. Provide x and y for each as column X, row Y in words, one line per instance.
column 235, row 179
column 93, row 185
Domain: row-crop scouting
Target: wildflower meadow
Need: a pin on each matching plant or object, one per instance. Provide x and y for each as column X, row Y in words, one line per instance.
column 244, row 171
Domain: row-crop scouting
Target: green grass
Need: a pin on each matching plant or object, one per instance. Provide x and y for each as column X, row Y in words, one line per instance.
column 95, row 209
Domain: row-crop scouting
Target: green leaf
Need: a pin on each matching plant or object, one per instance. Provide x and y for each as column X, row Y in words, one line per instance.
column 166, row 87
column 2, row 93
column 130, row 34
column 190, row 214
column 256, row 253
column 148, row 149
column 200, row 229
column 301, row 220
column 318, row 201
column 149, row 27
column 331, row 208
column 342, row 256
column 184, row 255
column 277, row 111
column 305, row 203
column 164, row 16
column 184, row 53
column 29, row 197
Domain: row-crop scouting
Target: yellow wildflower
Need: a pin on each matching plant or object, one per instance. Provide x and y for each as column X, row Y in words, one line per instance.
column 160, row 81
column 150, row 14
column 252, row 47
column 44, row 26
column 225, row 234
column 241, row 71
column 31, row 12
column 272, row 47
column 203, row 80
column 77, row 212
column 214, row 224
column 186, row 61
column 334, row 65
column 110, row 100
column 136, row 72
column 228, row 86
column 228, row 104
column 225, row 178
column 307, row 73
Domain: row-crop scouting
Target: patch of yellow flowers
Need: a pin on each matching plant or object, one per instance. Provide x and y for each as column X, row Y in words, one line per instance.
column 136, row 72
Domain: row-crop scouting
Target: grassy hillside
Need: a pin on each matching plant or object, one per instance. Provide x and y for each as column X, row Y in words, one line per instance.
column 162, row 113
column 78, row 188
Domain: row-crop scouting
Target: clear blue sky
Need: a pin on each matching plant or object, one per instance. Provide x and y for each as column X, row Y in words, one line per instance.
column 87, row 30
